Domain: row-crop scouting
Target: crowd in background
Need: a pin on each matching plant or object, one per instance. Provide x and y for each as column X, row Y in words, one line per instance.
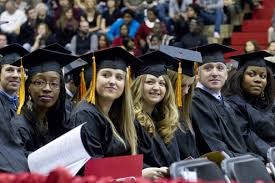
column 138, row 26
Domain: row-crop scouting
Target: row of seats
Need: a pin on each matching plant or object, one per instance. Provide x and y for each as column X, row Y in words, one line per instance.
column 244, row 168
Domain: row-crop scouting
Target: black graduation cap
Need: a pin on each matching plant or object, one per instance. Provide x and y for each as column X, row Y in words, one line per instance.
column 57, row 47
column 252, row 59
column 11, row 54
column 42, row 60
column 270, row 61
column 73, row 70
column 186, row 57
column 154, row 63
column 74, row 67
column 213, row 52
column 115, row 58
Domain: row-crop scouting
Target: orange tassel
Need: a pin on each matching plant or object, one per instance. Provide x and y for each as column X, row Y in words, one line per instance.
column 21, row 89
column 196, row 69
column 91, row 98
column 82, row 86
column 178, row 87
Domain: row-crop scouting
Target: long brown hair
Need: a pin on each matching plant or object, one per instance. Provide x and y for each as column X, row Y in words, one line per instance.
column 168, row 123
column 63, row 22
column 185, row 111
column 122, row 115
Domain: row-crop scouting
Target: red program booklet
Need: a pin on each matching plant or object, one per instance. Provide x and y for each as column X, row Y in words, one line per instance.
column 115, row 167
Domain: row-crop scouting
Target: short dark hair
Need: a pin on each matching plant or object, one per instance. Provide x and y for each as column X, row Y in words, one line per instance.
column 154, row 10
column 195, row 7
column 128, row 11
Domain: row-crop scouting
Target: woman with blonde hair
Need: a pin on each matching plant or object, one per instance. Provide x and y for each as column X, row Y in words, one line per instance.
column 93, row 16
column 156, row 111
column 185, row 134
column 107, row 108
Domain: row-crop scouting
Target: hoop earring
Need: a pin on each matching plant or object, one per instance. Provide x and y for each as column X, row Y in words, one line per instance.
column 29, row 103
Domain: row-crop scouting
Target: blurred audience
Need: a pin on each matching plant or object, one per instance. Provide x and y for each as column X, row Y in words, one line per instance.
column 251, row 46
column 15, row 18
column 128, row 16
column 84, row 41
column 194, row 37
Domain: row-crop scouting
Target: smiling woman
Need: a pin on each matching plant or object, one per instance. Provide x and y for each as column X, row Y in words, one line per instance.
column 42, row 118
column 106, row 109
column 156, row 111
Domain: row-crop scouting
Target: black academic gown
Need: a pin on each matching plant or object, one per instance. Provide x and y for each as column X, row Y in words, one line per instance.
column 187, row 143
column 166, row 154
column 12, row 157
column 33, row 134
column 257, row 126
column 96, row 135
column 68, row 104
column 214, row 127
column 156, row 152
column 99, row 140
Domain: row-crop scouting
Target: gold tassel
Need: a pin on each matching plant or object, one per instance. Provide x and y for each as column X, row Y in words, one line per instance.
column 82, row 86
column 178, row 87
column 91, row 98
column 196, row 69
column 129, row 78
column 21, row 89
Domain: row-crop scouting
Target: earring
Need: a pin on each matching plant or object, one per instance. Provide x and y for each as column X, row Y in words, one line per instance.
column 262, row 95
column 29, row 103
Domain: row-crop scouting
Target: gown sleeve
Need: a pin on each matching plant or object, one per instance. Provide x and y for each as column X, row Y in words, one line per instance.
column 246, row 117
column 23, row 132
column 91, row 132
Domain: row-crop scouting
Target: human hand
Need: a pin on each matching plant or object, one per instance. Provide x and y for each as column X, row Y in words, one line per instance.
column 38, row 37
column 154, row 173
column 228, row 2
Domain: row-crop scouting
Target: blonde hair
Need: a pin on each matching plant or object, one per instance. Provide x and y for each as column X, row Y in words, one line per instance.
column 167, row 107
column 187, row 99
column 40, row 6
column 122, row 114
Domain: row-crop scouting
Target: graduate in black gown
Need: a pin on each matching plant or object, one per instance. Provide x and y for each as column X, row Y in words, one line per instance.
column 156, row 111
column 214, row 121
column 10, row 80
column 107, row 109
column 183, row 85
column 58, row 48
column 12, row 158
column 75, row 83
column 42, row 116
column 249, row 92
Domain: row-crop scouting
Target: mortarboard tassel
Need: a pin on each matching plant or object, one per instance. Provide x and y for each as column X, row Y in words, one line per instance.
column 129, row 75
column 91, row 98
column 196, row 69
column 21, row 89
column 82, row 86
column 178, row 87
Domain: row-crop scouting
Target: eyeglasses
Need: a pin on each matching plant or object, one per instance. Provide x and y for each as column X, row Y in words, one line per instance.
column 42, row 84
